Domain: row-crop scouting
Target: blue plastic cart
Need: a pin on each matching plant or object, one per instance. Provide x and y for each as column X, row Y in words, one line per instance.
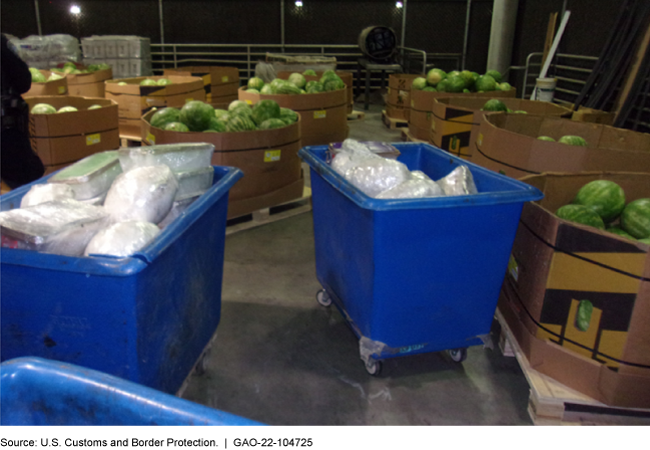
column 36, row 391
column 145, row 318
column 414, row 275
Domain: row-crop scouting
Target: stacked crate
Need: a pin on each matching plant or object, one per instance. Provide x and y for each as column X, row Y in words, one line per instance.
column 128, row 56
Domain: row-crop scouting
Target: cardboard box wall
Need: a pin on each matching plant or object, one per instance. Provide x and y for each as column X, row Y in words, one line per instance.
column 54, row 87
column 347, row 77
column 420, row 116
column 268, row 158
column 134, row 100
column 323, row 116
column 508, row 143
column 455, row 120
column 398, row 100
column 555, row 265
column 220, row 83
column 89, row 84
column 584, row 114
column 60, row 139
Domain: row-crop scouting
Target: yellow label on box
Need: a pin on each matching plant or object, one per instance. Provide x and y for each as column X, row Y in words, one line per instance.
column 151, row 138
column 224, row 79
column 433, row 125
column 92, row 139
column 320, row 114
column 412, row 103
column 250, row 102
column 479, row 139
column 189, row 99
column 61, row 89
column 272, row 155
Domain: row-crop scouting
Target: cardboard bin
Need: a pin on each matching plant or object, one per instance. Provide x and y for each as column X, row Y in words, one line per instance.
column 89, row 84
column 268, row 158
column 134, row 100
column 398, row 102
column 508, row 143
column 54, row 87
column 61, row 139
column 421, row 113
column 323, row 116
column 555, row 266
column 456, row 120
column 220, row 83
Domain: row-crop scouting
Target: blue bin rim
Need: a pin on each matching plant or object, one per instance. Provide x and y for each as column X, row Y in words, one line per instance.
column 520, row 193
column 106, row 265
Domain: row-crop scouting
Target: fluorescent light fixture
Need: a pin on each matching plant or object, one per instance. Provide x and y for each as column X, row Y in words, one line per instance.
column 399, row 5
column 298, row 3
column 74, row 9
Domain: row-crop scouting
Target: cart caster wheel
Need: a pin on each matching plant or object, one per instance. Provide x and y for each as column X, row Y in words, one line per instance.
column 458, row 354
column 373, row 367
column 323, row 298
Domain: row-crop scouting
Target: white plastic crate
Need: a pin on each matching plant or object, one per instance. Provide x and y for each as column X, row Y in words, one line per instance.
column 123, row 48
column 140, row 67
column 110, row 48
column 140, row 48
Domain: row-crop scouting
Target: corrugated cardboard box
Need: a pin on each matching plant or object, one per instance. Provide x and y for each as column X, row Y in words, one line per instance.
column 456, row 120
column 420, row 116
column 508, row 143
column 323, row 116
column 134, row 100
column 398, row 102
column 54, row 87
column 220, row 83
column 584, row 114
column 556, row 266
column 89, row 84
column 268, row 158
column 60, row 139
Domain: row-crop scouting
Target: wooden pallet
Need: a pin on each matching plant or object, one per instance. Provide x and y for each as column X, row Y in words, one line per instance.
column 552, row 403
column 356, row 115
column 391, row 123
column 408, row 137
column 130, row 141
column 272, row 214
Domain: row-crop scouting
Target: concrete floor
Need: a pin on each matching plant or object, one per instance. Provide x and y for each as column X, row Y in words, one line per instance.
column 282, row 359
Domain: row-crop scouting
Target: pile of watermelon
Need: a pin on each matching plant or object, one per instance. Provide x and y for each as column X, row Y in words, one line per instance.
column 46, row 108
column 601, row 204
column 496, row 105
column 240, row 116
column 60, row 72
column 437, row 80
column 297, row 84
column 152, row 82
column 568, row 139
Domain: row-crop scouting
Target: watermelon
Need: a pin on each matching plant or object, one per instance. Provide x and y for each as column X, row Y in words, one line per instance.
column 455, row 83
column 196, row 115
column 164, row 116
column 287, row 88
column 148, row 82
column 220, row 112
column 288, row 115
column 238, row 123
column 328, row 75
column 620, row 232
column 163, row 82
column 272, row 123
column 94, row 107
column 546, row 138
column 216, row 125
column 253, row 91
column 54, row 76
column 430, row 89
column 503, row 87
column 255, row 83
column 242, row 111
column 581, row 214
column 333, row 84
column 573, row 140
column 236, row 104
column 419, row 83
column 298, row 80
column 466, row 91
column 635, row 218
column 435, row 76
column 645, row 241
column 309, row 72
column 494, row 74
column 468, row 77
column 264, row 110
column 43, row 108
column 494, row 105
column 37, row 76
column 521, row 111
column 315, row 88
column 66, row 109
column 122, row 83
column 176, row 126
column 268, row 89
column 442, row 85
column 69, row 67
column 605, row 197
column 485, row 83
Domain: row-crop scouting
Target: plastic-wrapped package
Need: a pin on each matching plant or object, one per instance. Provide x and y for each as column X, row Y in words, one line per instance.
column 459, row 182
column 177, row 210
column 179, row 157
column 344, row 161
column 122, row 239
column 375, row 175
column 62, row 227
column 144, row 194
column 41, row 193
column 418, row 174
column 194, row 182
column 413, row 188
column 90, row 177
column 378, row 148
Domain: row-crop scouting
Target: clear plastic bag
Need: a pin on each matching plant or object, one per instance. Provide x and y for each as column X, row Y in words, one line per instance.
column 375, row 175
column 122, row 239
column 179, row 157
column 194, row 182
column 41, row 193
column 459, row 182
column 413, row 188
column 143, row 194
column 177, row 210
column 92, row 176
column 62, row 227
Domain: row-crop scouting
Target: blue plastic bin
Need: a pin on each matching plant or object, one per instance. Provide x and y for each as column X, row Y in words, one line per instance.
column 145, row 318
column 36, row 391
column 414, row 275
